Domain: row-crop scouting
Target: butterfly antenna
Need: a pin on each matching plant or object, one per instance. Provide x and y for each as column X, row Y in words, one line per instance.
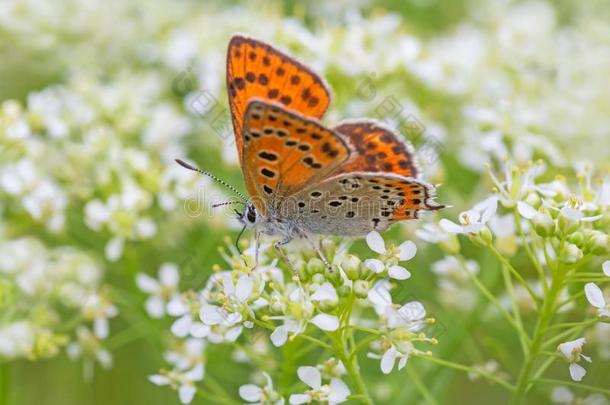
column 239, row 237
column 228, row 203
column 210, row 175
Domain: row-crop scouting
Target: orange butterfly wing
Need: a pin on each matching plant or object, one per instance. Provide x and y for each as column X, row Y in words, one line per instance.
column 256, row 69
column 284, row 152
column 376, row 149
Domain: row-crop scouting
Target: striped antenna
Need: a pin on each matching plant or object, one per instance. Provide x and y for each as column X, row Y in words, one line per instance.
column 228, row 203
column 210, row 175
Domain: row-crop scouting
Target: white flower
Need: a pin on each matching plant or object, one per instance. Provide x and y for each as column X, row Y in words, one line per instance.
column 299, row 313
column 161, row 291
column 474, row 220
column 99, row 309
column 182, row 381
column 564, row 395
column 90, row 348
column 596, row 298
column 390, row 257
column 432, row 233
column 606, row 268
column 334, row 393
column 572, row 352
column 185, row 307
column 186, row 353
column 576, row 214
column 261, row 395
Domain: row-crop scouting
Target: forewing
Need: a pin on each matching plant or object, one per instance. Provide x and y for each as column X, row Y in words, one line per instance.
column 256, row 69
column 284, row 152
column 357, row 203
column 376, row 148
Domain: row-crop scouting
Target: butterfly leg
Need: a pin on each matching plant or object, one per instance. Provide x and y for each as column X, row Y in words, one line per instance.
column 257, row 247
column 318, row 248
column 278, row 247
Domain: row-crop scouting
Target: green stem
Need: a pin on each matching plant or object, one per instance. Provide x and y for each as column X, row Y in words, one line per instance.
column 546, row 314
column 421, row 387
column 574, row 384
column 469, row 369
column 353, row 370
column 516, row 274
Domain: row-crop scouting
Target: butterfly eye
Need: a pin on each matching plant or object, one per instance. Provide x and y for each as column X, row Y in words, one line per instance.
column 251, row 215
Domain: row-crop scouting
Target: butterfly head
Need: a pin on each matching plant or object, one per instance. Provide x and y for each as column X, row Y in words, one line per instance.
column 249, row 217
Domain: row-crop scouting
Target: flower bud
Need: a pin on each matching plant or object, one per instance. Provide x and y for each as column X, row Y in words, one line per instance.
column 315, row 265
column 333, row 275
column 351, row 266
column 597, row 242
column 566, row 225
column 344, row 291
column 577, row 238
column 329, row 248
column 543, row 223
column 301, row 268
column 318, row 278
column 328, row 305
column 361, row 288
column 483, row 238
column 533, row 199
column 572, row 253
column 276, row 307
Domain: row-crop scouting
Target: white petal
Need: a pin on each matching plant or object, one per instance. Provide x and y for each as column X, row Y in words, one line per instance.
column 326, row 322
column 407, row 250
column 169, row 275
column 571, row 213
column 310, row 376
column 227, row 283
column 412, row 311
column 325, row 292
column 155, row 307
column 199, row 330
column 399, row 273
column 387, row 360
column 526, row 210
column 340, row 391
column 592, row 219
column 114, row 249
column 181, row 327
column 177, row 307
column 402, row 362
column 568, row 347
column 195, row 374
column 562, row 395
column 243, row 290
column 489, row 208
column 212, row 315
column 186, row 393
column 375, row 265
column 577, row 372
column 279, row 336
column 146, row 283
column 594, row 295
column 375, row 242
column 100, row 328
column 606, row 268
column 158, row 379
column 451, row 227
column 379, row 295
column 250, row 392
column 297, row 399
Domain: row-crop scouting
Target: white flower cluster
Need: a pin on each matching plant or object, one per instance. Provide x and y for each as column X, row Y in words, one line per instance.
column 42, row 291
column 244, row 300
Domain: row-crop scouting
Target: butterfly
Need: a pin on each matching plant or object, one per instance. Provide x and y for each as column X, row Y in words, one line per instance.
column 304, row 178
